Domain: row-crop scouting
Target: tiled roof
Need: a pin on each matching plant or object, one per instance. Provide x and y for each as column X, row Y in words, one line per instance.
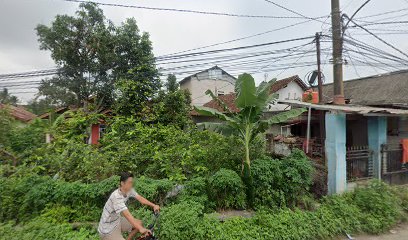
column 278, row 85
column 389, row 89
column 19, row 113
column 228, row 99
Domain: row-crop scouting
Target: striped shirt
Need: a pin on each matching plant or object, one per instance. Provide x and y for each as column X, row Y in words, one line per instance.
column 116, row 204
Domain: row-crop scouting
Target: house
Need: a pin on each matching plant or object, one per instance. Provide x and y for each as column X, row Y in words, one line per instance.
column 362, row 139
column 227, row 99
column 386, row 90
column 355, row 143
column 19, row 113
column 215, row 79
column 290, row 88
column 96, row 130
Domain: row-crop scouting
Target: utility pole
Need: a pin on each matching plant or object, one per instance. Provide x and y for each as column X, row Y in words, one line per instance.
column 320, row 88
column 319, row 72
column 338, row 90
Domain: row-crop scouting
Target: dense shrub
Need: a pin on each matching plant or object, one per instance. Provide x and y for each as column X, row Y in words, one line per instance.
column 197, row 190
column 48, row 206
column 281, row 182
column 73, row 161
column 181, row 221
column 227, row 189
column 169, row 152
column 40, row 229
column 155, row 151
column 33, row 194
column 153, row 189
column 380, row 207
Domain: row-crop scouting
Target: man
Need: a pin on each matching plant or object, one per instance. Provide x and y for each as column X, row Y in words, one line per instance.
column 116, row 217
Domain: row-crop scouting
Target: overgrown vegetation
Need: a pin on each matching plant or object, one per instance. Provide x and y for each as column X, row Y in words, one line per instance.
column 57, row 190
column 50, row 208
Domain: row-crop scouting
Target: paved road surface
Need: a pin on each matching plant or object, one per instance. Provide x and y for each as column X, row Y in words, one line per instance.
column 398, row 233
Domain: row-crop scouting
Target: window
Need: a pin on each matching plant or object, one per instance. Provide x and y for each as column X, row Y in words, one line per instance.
column 220, row 93
column 102, row 129
column 294, row 96
column 215, row 74
column 288, row 95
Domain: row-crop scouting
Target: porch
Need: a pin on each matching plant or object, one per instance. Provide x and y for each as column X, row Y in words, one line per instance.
column 356, row 144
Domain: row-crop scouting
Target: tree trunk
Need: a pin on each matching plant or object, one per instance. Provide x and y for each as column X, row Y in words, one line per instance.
column 246, row 173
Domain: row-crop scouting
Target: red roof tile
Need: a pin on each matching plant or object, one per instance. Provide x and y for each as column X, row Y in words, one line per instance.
column 278, row 85
column 229, row 99
column 19, row 113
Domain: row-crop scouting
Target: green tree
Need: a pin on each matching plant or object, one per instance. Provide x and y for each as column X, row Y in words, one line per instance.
column 7, row 98
column 6, row 127
column 40, row 106
column 248, row 122
column 172, row 106
column 138, row 78
column 93, row 54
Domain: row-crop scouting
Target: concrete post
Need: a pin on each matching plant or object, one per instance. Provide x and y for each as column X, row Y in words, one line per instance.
column 377, row 136
column 335, row 147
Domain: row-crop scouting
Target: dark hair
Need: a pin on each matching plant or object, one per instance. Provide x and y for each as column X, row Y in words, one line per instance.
column 124, row 176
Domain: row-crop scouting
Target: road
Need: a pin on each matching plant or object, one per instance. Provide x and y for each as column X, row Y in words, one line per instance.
column 398, row 233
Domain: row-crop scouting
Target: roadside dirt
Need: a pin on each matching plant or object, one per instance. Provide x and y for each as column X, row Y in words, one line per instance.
column 398, row 233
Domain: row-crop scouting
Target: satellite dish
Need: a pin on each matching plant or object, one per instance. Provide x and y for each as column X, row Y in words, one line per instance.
column 312, row 78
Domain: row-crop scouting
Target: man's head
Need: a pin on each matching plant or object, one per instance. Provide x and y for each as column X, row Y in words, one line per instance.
column 126, row 181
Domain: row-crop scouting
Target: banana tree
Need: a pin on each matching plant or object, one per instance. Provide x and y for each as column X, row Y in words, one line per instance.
column 247, row 123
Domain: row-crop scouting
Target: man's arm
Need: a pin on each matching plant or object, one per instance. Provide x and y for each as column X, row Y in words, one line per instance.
column 146, row 202
column 136, row 224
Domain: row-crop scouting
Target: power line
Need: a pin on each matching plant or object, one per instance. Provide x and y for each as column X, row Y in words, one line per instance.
column 293, row 11
column 355, row 13
column 380, row 39
column 231, row 49
column 241, row 38
column 382, row 23
column 183, row 10
column 384, row 13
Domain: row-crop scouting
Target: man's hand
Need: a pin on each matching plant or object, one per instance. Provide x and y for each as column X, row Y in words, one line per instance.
column 156, row 208
column 145, row 232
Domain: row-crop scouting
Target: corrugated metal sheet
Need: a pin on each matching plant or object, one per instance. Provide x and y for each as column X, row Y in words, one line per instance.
column 351, row 109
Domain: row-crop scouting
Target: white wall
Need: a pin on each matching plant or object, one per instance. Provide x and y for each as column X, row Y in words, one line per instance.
column 291, row 92
column 200, row 83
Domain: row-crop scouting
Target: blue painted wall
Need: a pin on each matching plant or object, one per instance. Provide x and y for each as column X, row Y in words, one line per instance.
column 336, row 152
column 377, row 135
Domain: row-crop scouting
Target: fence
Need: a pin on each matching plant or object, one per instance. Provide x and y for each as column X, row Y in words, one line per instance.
column 359, row 163
column 391, row 158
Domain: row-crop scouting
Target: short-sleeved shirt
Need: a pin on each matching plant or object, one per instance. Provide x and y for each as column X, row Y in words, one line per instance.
column 116, row 204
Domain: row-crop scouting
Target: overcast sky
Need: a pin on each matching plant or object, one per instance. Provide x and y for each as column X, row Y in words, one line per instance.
column 171, row 32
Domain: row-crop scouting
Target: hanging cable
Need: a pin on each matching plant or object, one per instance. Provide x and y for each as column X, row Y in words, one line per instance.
column 183, row 10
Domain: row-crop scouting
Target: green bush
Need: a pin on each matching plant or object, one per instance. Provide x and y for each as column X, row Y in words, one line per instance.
column 73, row 161
column 380, row 207
column 40, row 229
column 159, row 151
column 33, row 194
column 181, row 221
column 152, row 189
column 197, row 190
column 43, row 208
column 281, row 182
column 227, row 190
